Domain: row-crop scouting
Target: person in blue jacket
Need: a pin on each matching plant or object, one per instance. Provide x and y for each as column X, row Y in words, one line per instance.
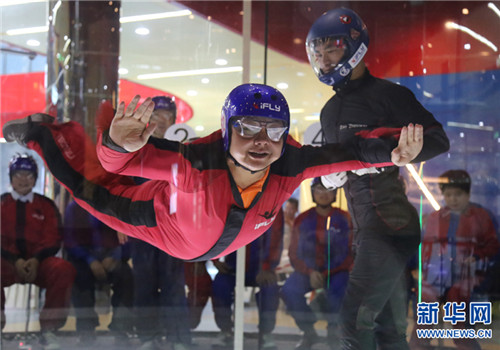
column 320, row 253
column 99, row 259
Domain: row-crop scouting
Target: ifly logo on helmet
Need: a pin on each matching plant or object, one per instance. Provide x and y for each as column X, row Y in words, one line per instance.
column 358, row 55
column 266, row 105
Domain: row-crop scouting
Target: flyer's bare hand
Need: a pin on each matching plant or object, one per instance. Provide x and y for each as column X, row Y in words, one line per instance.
column 410, row 144
column 130, row 128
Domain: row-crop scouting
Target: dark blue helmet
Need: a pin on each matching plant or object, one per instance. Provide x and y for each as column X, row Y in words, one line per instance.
column 343, row 27
column 254, row 100
column 23, row 162
column 316, row 182
column 165, row 102
column 455, row 179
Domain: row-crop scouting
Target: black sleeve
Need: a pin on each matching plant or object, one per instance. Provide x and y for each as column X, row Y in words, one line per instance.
column 108, row 142
column 435, row 143
column 405, row 109
column 334, row 157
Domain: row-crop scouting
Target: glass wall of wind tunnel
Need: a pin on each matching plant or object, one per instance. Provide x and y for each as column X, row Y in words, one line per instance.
column 182, row 52
column 193, row 52
column 447, row 54
column 165, row 48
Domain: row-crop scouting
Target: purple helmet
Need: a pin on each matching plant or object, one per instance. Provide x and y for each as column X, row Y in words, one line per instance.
column 165, row 102
column 253, row 100
column 342, row 26
column 23, row 162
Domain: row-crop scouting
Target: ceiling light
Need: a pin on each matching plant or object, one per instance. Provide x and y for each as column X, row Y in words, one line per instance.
column 199, row 128
column 18, row 2
column 472, row 33
column 470, row 126
column 312, row 117
column 142, row 31
column 191, row 92
column 494, row 8
column 465, row 11
column 282, row 86
column 153, row 16
column 205, row 81
column 33, row 42
column 296, row 110
column 220, row 62
column 423, row 187
column 185, row 73
column 30, row 30
column 129, row 19
column 122, row 71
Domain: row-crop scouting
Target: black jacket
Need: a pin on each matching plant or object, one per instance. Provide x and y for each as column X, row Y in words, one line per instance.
column 378, row 201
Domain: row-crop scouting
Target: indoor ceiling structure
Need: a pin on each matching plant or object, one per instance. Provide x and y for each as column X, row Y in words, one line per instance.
column 193, row 49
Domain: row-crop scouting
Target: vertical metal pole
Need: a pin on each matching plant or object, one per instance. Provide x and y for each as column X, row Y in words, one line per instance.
column 239, row 289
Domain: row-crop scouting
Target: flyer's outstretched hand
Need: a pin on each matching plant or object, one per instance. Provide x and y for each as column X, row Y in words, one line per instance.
column 410, row 144
column 130, row 128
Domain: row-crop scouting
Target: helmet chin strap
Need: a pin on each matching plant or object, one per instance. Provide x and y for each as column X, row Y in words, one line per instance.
column 242, row 166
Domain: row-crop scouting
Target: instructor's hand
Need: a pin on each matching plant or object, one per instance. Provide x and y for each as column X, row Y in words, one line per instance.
column 129, row 128
column 410, row 144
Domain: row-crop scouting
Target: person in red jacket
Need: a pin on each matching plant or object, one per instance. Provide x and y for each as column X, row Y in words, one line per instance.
column 320, row 253
column 458, row 239
column 31, row 237
column 209, row 197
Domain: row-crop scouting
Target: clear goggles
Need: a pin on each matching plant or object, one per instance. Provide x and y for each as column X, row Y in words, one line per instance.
column 249, row 127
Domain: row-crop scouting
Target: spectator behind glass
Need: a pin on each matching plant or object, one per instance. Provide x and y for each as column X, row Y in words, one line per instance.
column 99, row 259
column 160, row 301
column 320, row 254
column 290, row 212
column 457, row 241
column 386, row 225
column 31, row 237
column 262, row 258
column 164, row 114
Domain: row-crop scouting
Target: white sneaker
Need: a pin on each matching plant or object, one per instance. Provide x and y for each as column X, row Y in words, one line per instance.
column 266, row 341
column 226, row 338
column 49, row 341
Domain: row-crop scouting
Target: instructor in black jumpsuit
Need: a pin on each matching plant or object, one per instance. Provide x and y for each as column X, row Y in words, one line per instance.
column 386, row 226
